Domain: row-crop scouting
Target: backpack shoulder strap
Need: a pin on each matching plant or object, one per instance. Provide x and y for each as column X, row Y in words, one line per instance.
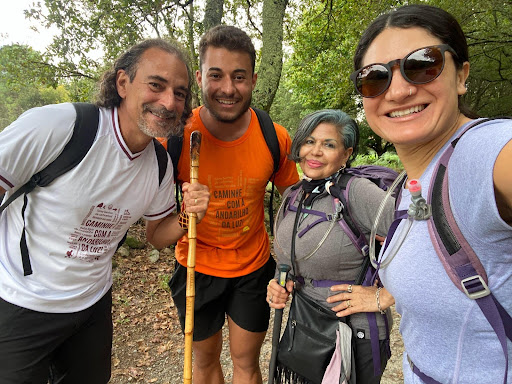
column 348, row 224
column 174, row 146
column 84, row 133
column 161, row 157
column 458, row 258
column 270, row 135
column 86, row 127
column 451, row 246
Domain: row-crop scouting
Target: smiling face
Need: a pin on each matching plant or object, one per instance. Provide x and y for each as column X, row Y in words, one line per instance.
column 323, row 153
column 154, row 101
column 411, row 114
column 226, row 80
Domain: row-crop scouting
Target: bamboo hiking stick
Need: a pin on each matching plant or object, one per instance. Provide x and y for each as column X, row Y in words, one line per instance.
column 195, row 146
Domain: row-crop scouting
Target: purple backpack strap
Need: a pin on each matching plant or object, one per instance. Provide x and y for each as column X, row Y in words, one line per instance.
column 368, row 281
column 357, row 237
column 322, row 217
column 359, row 241
column 459, row 260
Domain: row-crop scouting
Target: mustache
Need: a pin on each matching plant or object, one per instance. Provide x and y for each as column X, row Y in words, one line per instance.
column 160, row 111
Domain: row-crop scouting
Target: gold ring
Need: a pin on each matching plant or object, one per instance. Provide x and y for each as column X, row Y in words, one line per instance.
column 348, row 304
column 270, row 282
column 349, row 290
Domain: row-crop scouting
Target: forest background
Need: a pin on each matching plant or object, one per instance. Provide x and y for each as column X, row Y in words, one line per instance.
column 305, row 51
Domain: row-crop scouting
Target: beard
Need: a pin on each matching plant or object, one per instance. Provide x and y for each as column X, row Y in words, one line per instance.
column 171, row 126
column 223, row 118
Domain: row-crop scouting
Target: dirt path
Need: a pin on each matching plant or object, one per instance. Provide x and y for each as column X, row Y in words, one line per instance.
column 148, row 343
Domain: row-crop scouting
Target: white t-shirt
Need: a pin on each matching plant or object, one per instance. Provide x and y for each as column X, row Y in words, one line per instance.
column 74, row 224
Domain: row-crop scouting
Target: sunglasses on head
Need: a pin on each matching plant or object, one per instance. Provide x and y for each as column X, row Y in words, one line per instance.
column 421, row 66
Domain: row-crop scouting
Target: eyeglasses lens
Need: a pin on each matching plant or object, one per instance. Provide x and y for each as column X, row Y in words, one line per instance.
column 373, row 80
column 419, row 67
column 424, row 65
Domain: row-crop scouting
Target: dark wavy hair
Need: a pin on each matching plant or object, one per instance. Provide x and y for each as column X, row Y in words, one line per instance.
column 345, row 125
column 436, row 21
column 231, row 38
column 108, row 96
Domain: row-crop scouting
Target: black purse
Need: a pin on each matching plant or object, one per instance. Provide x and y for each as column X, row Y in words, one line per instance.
column 308, row 342
column 309, row 339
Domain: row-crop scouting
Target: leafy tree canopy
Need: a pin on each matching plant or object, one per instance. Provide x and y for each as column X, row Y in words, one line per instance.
column 25, row 82
column 325, row 40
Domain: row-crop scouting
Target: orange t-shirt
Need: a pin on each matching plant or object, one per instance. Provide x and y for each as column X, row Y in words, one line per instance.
column 231, row 238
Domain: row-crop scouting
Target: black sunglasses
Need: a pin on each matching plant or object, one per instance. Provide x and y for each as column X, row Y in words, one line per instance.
column 419, row 67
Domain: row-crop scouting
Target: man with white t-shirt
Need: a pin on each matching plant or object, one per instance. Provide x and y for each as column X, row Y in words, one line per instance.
column 55, row 323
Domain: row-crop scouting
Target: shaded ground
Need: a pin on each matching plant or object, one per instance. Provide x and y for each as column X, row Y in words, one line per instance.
column 148, row 343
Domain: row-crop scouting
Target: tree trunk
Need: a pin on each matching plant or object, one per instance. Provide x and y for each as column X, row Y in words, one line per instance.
column 213, row 12
column 271, row 53
column 193, row 56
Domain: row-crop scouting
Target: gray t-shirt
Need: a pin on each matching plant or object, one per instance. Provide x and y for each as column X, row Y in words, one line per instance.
column 337, row 258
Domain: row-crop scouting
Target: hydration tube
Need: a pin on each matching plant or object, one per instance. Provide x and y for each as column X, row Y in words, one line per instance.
column 418, row 210
column 373, row 232
column 337, row 214
column 334, row 220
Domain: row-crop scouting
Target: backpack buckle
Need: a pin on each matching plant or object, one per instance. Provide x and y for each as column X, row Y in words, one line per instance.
column 473, row 283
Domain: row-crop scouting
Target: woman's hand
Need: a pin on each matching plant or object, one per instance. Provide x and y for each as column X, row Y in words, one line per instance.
column 196, row 198
column 277, row 296
column 357, row 298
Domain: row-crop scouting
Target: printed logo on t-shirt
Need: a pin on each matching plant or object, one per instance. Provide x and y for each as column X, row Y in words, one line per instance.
column 233, row 209
column 97, row 233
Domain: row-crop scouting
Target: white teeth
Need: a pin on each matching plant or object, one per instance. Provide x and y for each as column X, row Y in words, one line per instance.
column 229, row 102
column 405, row 112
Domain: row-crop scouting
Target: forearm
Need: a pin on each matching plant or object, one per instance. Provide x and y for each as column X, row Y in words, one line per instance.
column 164, row 232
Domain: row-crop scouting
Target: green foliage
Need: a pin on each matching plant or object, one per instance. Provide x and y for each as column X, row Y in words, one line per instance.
column 285, row 109
column 134, row 243
column 325, row 40
column 163, row 281
column 388, row 159
column 25, row 83
column 323, row 47
column 370, row 142
column 21, row 64
column 489, row 33
column 320, row 38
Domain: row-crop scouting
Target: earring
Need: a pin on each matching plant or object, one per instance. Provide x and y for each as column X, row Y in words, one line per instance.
column 410, row 91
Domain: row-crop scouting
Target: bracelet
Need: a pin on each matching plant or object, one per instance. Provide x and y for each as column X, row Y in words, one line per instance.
column 377, row 297
column 183, row 220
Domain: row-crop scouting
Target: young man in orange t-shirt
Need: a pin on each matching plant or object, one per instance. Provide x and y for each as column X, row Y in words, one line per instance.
column 233, row 261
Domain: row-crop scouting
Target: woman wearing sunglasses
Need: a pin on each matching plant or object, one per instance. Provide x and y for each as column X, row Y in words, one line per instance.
column 411, row 70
